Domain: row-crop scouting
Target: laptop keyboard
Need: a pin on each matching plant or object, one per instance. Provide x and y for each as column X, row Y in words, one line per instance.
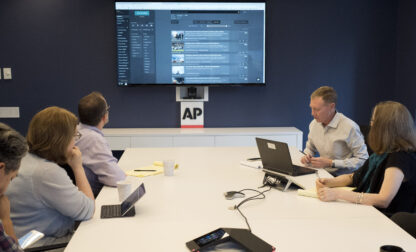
column 110, row 211
column 300, row 170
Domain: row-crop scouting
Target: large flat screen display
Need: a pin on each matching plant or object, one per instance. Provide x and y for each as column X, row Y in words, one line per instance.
column 190, row 43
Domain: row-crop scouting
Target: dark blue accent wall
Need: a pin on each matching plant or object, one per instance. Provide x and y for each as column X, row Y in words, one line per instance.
column 60, row 50
column 406, row 54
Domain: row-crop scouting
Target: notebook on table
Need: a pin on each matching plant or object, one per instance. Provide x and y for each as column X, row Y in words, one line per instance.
column 126, row 208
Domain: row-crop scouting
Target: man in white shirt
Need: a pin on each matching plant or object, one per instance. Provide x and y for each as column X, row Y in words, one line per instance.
column 99, row 163
column 336, row 138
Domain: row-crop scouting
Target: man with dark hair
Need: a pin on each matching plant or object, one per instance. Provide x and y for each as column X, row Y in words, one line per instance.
column 336, row 138
column 99, row 163
column 12, row 149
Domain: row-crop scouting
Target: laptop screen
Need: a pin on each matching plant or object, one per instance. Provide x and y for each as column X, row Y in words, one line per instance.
column 132, row 199
column 275, row 155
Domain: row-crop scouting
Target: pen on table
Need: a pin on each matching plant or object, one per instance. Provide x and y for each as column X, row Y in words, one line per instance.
column 301, row 151
column 144, row 170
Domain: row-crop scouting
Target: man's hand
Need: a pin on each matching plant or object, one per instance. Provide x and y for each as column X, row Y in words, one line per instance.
column 306, row 159
column 5, row 217
column 321, row 162
column 4, row 207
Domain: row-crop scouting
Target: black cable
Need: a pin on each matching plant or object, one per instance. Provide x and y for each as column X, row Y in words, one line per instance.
column 248, row 189
column 255, row 197
column 245, row 218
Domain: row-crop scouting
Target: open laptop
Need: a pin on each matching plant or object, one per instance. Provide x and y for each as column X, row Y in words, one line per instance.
column 275, row 157
column 126, row 208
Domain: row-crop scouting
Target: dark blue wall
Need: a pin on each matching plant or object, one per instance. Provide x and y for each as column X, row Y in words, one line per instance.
column 60, row 50
column 406, row 54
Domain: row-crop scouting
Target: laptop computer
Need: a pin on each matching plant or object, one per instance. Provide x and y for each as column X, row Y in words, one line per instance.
column 126, row 208
column 275, row 157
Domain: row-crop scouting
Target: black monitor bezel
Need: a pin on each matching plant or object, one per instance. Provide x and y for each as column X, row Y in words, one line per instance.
column 204, row 84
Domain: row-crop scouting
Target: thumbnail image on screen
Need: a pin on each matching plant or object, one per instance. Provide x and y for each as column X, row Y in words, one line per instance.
column 190, row 43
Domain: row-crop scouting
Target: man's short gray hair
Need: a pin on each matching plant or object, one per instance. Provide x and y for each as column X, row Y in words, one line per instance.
column 13, row 147
column 327, row 93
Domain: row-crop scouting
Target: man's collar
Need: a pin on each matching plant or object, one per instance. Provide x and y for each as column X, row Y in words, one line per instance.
column 85, row 126
column 334, row 122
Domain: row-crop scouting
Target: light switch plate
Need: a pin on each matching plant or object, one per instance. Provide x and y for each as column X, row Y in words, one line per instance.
column 9, row 112
column 7, row 73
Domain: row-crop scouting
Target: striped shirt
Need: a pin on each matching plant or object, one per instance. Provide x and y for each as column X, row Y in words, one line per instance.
column 341, row 140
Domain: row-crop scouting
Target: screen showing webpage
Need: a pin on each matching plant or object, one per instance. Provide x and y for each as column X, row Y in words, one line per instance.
column 190, row 43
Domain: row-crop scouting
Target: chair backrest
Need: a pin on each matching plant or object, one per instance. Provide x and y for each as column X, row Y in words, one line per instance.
column 117, row 153
column 47, row 247
column 407, row 221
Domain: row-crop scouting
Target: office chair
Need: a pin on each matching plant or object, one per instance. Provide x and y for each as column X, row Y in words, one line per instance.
column 407, row 221
column 52, row 246
column 47, row 247
column 117, row 153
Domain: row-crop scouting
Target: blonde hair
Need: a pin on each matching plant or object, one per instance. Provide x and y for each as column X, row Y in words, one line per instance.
column 327, row 93
column 392, row 128
column 50, row 132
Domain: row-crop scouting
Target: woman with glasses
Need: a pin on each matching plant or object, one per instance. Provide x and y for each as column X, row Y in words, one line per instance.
column 387, row 180
column 43, row 197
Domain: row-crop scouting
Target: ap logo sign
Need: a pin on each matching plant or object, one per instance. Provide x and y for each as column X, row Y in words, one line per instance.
column 192, row 114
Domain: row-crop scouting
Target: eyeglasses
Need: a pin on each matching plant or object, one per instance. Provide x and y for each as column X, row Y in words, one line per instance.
column 108, row 108
column 77, row 136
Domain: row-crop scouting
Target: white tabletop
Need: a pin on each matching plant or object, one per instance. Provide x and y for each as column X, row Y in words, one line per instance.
column 177, row 209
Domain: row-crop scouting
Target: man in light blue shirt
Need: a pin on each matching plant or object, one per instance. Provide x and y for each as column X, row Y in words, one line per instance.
column 99, row 163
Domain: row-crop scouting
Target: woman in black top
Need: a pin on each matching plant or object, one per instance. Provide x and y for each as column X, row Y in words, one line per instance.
column 387, row 180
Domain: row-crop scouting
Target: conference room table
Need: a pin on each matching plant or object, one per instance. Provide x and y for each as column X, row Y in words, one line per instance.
column 179, row 208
